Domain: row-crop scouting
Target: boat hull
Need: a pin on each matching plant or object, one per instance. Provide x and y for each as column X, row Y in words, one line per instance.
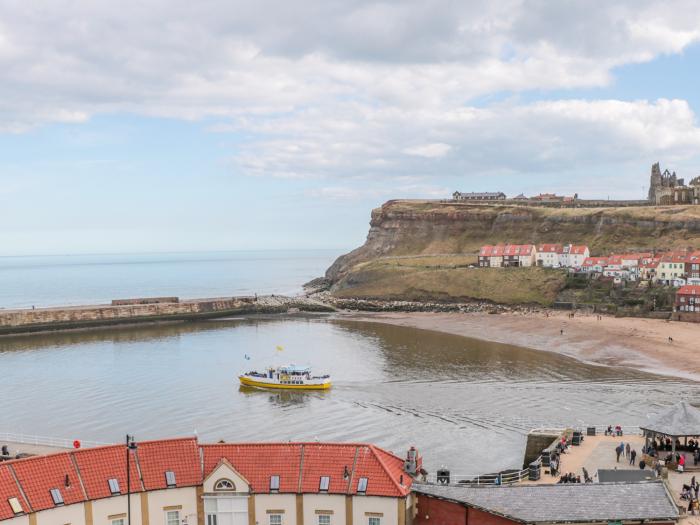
column 248, row 381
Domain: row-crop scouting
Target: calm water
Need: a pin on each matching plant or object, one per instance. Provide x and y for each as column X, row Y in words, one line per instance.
column 92, row 279
column 464, row 403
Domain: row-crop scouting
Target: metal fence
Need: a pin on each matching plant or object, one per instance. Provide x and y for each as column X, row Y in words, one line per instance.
column 46, row 441
column 503, row 478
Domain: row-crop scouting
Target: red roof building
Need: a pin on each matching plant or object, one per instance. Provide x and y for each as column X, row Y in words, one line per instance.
column 78, row 481
column 688, row 298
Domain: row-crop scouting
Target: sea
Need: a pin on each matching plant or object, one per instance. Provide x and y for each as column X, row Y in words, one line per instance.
column 465, row 404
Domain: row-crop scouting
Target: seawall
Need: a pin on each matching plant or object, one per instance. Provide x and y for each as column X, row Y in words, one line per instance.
column 73, row 317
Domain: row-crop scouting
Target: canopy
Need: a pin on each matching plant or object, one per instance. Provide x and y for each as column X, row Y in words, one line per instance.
column 294, row 369
column 680, row 420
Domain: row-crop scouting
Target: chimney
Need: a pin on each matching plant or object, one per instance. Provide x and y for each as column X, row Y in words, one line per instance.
column 411, row 464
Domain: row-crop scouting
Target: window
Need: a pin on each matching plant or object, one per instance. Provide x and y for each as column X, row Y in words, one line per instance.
column 211, row 519
column 56, row 497
column 362, row 485
column 113, row 487
column 15, row 505
column 373, row 520
column 172, row 517
column 224, row 484
column 275, row 519
column 119, row 521
column 274, row 483
column 170, row 478
column 325, row 482
column 324, row 519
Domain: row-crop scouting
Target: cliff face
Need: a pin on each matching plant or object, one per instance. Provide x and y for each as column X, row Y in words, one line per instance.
column 430, row 227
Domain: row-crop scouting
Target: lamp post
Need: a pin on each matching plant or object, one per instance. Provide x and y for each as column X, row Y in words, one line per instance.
column 130, row 445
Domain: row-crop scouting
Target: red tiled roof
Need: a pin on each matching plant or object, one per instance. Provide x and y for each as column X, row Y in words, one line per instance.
column 181, row 456
column 486, row 251
column 595, row 261
column 689, row 289
column 301, row 465
column 9, row 489
column 38, row 475
column 518, row 249
column 578, row 250
column 98, row 465
column 551, row 248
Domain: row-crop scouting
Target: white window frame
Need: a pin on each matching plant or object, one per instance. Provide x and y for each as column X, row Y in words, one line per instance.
column 280, row 522
column 118, row 521
column 371, row 520
column 167, row 516
column 322, row 517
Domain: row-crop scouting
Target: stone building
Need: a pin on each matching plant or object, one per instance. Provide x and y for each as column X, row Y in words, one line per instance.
column 666, row 188
column 479, row 196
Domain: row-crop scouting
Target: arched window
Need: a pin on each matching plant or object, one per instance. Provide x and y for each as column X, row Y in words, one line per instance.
column 224, row 484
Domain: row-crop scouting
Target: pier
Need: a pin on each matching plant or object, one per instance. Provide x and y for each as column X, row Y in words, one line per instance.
column 149, row 310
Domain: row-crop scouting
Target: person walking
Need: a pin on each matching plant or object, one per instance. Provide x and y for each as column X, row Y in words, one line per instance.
column 627, row 450
column 618, row 452
column 633, row 456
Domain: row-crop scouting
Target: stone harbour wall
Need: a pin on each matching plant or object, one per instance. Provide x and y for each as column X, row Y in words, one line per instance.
column 46, row 319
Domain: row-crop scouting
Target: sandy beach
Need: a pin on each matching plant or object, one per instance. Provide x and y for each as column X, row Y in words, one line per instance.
column 642, row 344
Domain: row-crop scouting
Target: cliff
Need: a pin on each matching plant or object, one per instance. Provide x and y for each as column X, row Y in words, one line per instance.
column 423, row 250
column 401, row 228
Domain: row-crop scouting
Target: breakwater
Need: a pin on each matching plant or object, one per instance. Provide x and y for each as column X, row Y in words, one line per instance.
column 149, row 310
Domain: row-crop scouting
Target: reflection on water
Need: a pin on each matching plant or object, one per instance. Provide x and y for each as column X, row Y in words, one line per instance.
column 464, row 403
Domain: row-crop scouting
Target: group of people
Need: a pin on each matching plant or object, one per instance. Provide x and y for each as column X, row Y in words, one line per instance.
column 569, row 478
column 629, row 453
column 610, row 432
column 690, row 494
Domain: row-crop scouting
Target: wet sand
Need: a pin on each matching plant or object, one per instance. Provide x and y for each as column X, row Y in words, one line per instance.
column 642, row 344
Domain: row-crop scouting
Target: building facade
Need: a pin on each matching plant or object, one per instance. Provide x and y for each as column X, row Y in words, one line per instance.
column 182, row 482
column 548, row 255
column 688, row 299
column 479, row 196
column 667, row 189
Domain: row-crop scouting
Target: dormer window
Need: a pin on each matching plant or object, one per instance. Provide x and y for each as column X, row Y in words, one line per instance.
column 362, row 486
column 170, row 479
column 113, row 486
column 224, row 485
column 274, row 483
column 324, row 483
column 16, row 506
column 56, row 496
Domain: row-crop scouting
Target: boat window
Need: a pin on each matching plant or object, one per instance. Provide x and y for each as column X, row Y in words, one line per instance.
column 325, row 482
column 274, row 483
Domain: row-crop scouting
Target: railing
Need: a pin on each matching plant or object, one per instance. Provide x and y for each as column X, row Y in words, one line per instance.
column 46, row 441
column 503, row 478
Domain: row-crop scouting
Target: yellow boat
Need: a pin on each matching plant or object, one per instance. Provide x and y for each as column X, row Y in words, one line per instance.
column 290, row 377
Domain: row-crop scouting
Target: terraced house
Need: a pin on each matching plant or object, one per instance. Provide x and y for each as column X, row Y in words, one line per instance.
column 182, row 482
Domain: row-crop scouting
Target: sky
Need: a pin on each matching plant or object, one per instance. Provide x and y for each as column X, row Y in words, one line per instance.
column 171, row 125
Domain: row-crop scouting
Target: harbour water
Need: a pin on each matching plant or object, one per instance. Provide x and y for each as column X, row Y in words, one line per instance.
column 466, row 404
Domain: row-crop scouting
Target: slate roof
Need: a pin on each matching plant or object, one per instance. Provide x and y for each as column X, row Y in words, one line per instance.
column 566, row 502
column 681, row 419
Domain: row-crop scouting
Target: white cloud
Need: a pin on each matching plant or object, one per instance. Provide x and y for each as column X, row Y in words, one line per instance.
column 331, row 88
column 429, row 151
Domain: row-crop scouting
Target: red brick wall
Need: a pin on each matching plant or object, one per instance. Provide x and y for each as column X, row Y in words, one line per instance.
column 441, row 512
column 438, row 512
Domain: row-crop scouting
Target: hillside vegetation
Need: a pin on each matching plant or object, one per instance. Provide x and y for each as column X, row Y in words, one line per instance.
column 449, row 279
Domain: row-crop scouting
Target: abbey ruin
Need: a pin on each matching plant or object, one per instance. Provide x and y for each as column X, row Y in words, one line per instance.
column 665, row 188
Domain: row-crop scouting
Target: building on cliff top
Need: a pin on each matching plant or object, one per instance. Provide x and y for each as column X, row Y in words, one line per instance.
column 479, row 196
